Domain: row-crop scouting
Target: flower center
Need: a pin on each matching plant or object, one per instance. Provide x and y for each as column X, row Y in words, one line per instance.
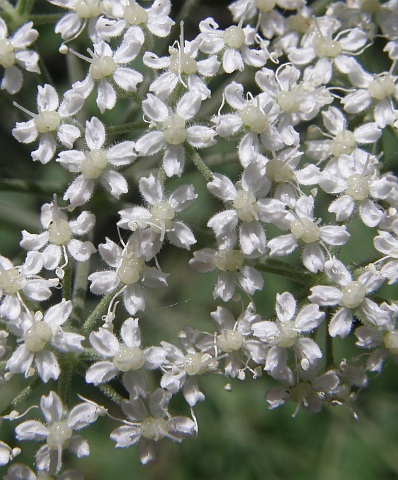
column 162, row 216
column 229, row 340
column 197, row 363
column 324, row 47
column 128, row 358
column 11, row 281
column 234, row 37
column 59, row 232
column 381, row 87
column 37, row 336
column 353, row 294
column 130, row 268
column 47, row 121
column 174, row 131
column 102, row 67
column 391, row 342
column 253, row 118
column 229, row 260
column 154, row 428
column 7, row 56
column 343, row 143
column 87, row 8
column 265, row 5
column 59, row 435
column 182, row 63
column 135, row 15
column 357, row 187
column 94, row 164
column 288, row 101
column 245, row 206
column 306, row 230
column 287, row 336
column 278, row 171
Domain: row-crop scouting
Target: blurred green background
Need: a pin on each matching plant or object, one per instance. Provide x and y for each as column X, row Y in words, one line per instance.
column 239, row 438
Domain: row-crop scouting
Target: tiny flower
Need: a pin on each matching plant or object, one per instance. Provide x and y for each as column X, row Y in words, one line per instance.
column 14, row 55
column 57, row 432
column 125, row 356
column 96, row 164
column 159, row 217
column 22, row 279
column 147, row 427
column 50, row 122
column 107, row 65
column 129, row 273
column 350, row 296
column 39, row 332
column 172, row 131
column 58, row 239
column 233, row 43
column 286, row 333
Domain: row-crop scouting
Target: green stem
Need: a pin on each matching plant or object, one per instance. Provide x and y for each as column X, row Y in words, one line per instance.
column 201, row 166
column 64, row 380
column 126, row 128
column 111, row 393
column 24, row 7
column 299, row 275
column 101, row 310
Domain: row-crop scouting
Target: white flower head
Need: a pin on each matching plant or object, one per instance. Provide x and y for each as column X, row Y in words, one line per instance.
column 58, row 431
column 171, row 132
column 14, row 55
column 50, row 122
column 96, row 164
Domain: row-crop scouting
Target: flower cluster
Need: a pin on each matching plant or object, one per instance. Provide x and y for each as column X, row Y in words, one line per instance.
column 273, row 130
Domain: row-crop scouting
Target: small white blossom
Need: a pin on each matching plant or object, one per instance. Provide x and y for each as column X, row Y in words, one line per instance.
column 14, row 55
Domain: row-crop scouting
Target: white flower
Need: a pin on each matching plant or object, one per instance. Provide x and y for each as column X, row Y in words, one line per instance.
column 339, row 139
column 182, row 67
column 58, row 431
column 22, row 279
column 129, row 271
column 234, row 339
column 234, row 43
column 51, row 120
column 297, row 100
column 172, row 131
column 159, row 219
column 58, row 239
column 14, row 55
column 7, row 453
column 82, row 12
column 151, row 426
column 125, row 356
column 359, row 183
column 94, row 165
column 233, row 271
column 38, row 332
column 305, row 229
column 155, row 18
column 243, row 196
column 107, row 65
column 286, row 333
column 350, row 296
column 371, row 89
